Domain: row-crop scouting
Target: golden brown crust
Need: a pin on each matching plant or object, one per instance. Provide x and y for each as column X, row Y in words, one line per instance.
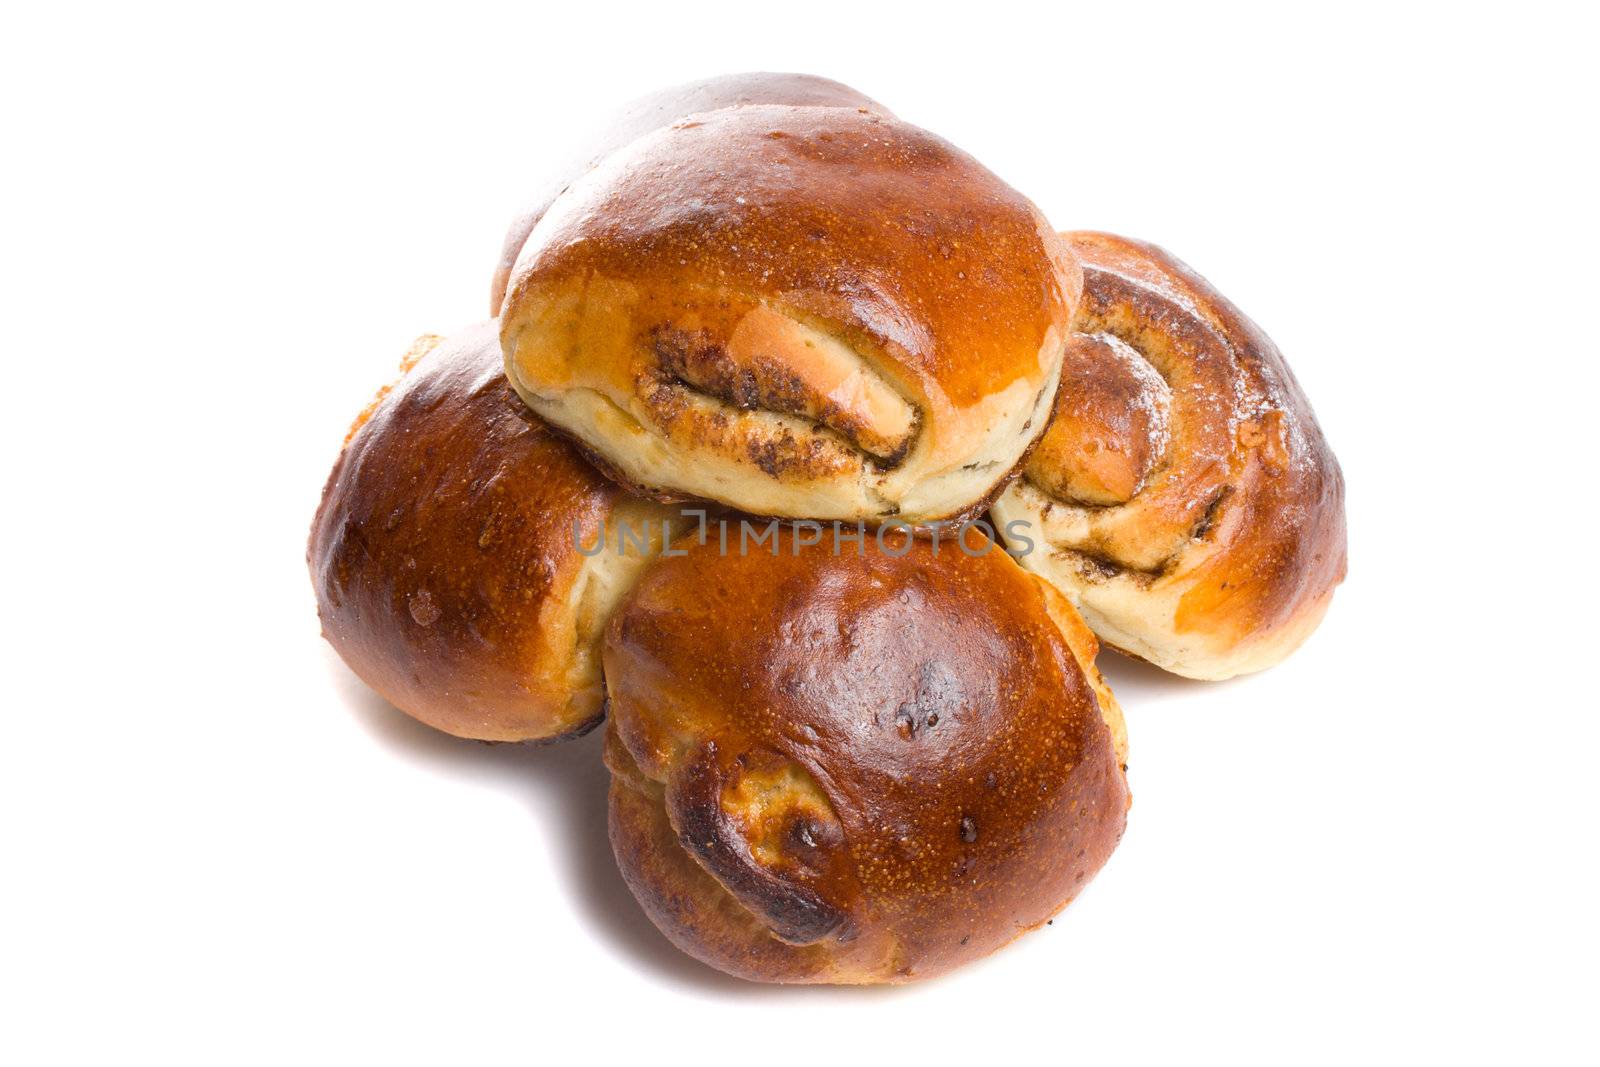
column 814, row 312
column 443, row 556
column 854, row 769
column 663, row 109
column 1188, row 501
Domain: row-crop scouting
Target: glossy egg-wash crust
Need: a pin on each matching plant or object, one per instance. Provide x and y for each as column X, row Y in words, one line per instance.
column 443, row 553
column 1186, row 498
column 660, row 109
column 834, row 768
column 815, row 312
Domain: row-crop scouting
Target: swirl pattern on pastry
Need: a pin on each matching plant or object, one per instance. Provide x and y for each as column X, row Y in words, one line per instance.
column 1184, row 497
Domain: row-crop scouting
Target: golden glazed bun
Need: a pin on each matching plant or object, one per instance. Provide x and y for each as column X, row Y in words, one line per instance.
column 1183, row 498
column 842, row 769
column 663, row 109
column 444, row 556
column 800, row 311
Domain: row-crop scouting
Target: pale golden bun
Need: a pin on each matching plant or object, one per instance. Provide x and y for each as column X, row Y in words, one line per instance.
column 663, row 109
column 1183, row 498
column 855, row 769
column 447, row 569
column 800, row 311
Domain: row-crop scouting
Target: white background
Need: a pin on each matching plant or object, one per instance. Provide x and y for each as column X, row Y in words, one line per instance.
column 222, row 228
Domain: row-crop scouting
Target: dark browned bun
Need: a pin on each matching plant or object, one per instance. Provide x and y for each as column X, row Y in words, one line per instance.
column 448, row 554
column 855, row 769
column 663, row 109
column 800, row 311
column 1183, row 498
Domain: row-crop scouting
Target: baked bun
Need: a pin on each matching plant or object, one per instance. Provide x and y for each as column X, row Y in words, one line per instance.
column 448, row 554
column 855, row 769
column 812, row 312
column 1184, row 497
column 662, row 109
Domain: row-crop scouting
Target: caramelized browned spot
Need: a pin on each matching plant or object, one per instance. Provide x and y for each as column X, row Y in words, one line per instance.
column 761, row 825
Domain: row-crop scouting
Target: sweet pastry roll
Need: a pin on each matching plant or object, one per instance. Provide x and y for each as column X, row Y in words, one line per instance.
column 1184, row 498
column 465, row 558
column 856, row 767
column 796, row 311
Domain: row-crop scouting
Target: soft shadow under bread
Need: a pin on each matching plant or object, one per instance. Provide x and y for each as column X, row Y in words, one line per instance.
column 564, row 783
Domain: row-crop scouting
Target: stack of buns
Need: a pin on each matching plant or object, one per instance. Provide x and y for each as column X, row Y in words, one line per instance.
column 807, row 455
